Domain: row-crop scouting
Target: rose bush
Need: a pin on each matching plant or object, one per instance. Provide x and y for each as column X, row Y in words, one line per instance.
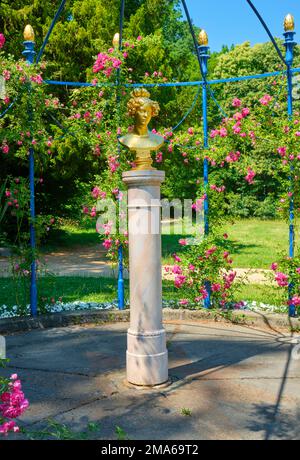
column 12, row 402
column 287, row 276
column 204, row 268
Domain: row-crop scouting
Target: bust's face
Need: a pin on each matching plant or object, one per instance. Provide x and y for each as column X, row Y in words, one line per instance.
column 143, row 115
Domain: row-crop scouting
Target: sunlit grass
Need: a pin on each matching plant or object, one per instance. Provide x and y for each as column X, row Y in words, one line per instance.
column 92, row 289
column 253, row 243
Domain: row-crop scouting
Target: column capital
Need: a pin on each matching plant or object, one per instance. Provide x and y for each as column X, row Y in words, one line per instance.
column 143, row 177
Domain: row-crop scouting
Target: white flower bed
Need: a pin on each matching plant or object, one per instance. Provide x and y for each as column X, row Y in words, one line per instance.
column 59, row 307
column 11, row 312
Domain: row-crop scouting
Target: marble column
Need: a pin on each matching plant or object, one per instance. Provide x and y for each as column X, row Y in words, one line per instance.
column 147, row 356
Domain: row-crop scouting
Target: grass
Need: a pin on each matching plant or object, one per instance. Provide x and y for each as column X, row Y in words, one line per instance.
column 91, row 289
column 186, row 412
column 253, row 243
column 263, row 293
column 71, row 234
column 256, row 243
column 66, row 288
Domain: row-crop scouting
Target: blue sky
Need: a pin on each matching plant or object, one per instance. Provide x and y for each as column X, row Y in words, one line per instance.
column 233, row 21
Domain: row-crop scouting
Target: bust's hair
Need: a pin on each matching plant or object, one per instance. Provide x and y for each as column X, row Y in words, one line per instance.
column 139, row 97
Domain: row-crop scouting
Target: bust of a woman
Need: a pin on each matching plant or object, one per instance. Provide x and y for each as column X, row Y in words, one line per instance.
column 141, row 140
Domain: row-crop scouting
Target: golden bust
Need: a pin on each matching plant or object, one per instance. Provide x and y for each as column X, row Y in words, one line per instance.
column 141, row 140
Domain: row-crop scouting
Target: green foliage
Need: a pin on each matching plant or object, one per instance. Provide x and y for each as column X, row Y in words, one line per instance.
column 87, row 27
column 186, row 412
column 121, row 434
column 204, row 267
column 243, row 206
column 60, row 431
column 287, row 275
column 244, row 59
column 3, row 381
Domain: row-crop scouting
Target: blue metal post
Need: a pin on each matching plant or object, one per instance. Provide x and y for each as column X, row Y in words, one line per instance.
column 289, row 56
column 29, row 54
column 204, row 56
column 121, row 302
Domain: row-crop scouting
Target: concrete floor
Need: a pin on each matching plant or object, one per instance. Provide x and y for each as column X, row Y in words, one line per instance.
column 238, row 382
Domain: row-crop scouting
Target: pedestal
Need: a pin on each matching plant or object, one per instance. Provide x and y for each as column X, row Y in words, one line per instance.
column 147, row 356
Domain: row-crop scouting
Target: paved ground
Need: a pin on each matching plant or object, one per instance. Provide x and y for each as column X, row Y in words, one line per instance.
column 238, row 382
column 91, row 261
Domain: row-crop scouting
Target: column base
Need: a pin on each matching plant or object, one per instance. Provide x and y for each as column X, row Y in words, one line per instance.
column 159, row 387
column 147, row 357
column 147, row 370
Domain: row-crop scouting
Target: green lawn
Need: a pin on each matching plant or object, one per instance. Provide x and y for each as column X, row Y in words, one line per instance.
column 68, row 288
column 253, row 243
column 256, row 243
column 267, row 294
column 91, row 289
column 70, row 235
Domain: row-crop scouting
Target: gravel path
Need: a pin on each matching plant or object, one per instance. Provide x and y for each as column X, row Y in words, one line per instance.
column 91, row 261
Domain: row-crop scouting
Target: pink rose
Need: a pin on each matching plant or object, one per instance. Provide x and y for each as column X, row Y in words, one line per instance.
column 182, row 242
column 236, row 102
column 282, row 279
column 5, row 149
column 265, row 99
column 2, row 40
column 245, row 111
column 183, row 302
column 250, row 176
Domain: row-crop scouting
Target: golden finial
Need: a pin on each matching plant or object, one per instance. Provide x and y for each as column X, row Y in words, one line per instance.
column 289, row 23
column 203, row 38
column 116, row 40
column 28, row 33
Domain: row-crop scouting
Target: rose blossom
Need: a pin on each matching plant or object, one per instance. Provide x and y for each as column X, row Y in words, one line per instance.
column 2, row 40
column 236, row 102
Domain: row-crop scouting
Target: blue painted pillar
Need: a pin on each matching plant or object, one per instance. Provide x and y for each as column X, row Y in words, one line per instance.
column 289, row 56
column 121, row 303
column 29, row 54
column 204, row 56
column 117, row 42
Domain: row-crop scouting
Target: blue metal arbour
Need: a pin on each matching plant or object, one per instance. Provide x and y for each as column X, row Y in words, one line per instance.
column 29, row 54
column 289, row 56
column 121, row 297
column 202, row 55
column 172, row 84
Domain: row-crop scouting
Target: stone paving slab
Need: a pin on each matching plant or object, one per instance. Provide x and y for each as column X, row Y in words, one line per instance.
column 239, row 382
